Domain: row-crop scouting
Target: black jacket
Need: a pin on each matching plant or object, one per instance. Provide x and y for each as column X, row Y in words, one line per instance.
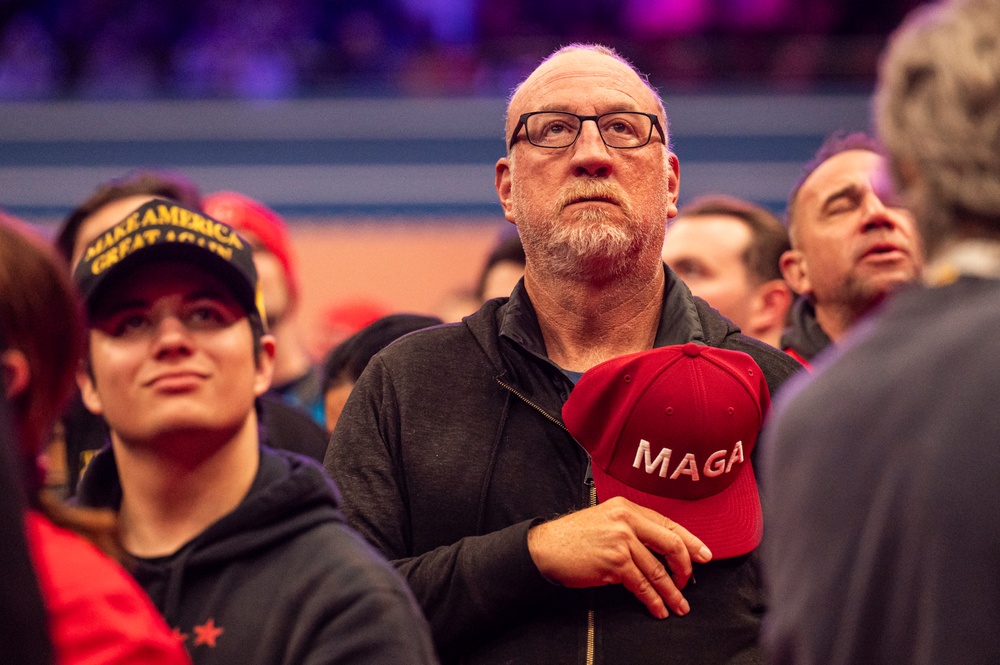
column 280, row 579
column 804, row 339
column 452, row 446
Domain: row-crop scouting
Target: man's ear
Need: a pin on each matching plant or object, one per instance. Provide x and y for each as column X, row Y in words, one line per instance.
column 795, row 269
column 771, row 303
column 16, row 372
column 503, row 186
column 674, row 183
column 88, row 391
column 264, row 372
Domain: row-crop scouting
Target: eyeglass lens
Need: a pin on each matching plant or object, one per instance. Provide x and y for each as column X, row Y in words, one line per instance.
column 619, row 130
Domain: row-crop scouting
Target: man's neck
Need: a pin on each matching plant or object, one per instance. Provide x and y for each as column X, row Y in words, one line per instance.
column 835, row 320
column 585, row 324
column 174, row 490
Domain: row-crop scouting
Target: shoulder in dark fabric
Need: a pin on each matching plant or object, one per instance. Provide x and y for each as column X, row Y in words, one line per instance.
column 289, row 428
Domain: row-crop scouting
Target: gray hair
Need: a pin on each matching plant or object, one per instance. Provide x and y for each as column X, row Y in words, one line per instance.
column 937, row 109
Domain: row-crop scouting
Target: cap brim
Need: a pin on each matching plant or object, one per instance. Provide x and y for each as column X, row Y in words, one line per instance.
column 188, row 253
column 730, row 523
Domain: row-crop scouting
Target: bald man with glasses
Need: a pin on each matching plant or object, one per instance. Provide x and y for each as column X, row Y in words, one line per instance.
column 452, row 453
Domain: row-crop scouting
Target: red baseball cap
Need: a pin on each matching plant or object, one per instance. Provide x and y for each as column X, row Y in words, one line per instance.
column 251, row 217
column 672, row 429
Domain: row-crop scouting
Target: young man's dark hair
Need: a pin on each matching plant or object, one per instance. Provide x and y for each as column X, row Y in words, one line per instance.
column 344, row 364
column 162, row 185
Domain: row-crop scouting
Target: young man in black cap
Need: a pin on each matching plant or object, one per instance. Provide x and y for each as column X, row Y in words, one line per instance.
column 83, row 433
column 243, row 548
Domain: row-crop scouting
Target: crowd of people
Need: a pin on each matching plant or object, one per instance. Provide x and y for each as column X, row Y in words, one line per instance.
column 695, row 435
column 266, row 49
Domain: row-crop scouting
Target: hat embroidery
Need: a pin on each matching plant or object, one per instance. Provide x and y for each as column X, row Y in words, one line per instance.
column 117, row 242
column 715, row 465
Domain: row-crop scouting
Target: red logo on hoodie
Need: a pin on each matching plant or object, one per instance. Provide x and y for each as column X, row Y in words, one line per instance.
column 207, row 633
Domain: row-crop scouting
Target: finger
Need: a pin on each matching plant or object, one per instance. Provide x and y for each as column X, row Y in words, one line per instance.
column 641, row 588
column 671, row 546
column 692, row 545
column 659, row 579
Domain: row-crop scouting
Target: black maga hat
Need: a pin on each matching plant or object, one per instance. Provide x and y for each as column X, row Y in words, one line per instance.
column 163, row 229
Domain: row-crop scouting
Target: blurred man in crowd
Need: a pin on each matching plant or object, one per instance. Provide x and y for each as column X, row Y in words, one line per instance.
column 853, row 243
column 728, row 252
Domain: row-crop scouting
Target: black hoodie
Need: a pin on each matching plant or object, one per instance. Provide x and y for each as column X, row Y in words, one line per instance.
column 804, row 339
column 280, row 579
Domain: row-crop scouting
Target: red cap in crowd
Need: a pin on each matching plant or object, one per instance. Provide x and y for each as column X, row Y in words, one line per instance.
column 250, row 217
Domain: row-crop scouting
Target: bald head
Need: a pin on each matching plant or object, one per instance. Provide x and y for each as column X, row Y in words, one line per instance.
column 601, row 66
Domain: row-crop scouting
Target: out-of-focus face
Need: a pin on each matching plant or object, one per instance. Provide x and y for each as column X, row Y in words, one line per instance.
column 587, row 208
column 852, row 242
column 333, row 403
column 103, row 219
column 171, row 351
column 272, row 284
column 706, row 251
column 501, row 279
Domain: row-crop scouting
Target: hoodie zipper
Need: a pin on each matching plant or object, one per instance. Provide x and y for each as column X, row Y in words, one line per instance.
column 534, row 406
column 592, row 501
column 592, row 492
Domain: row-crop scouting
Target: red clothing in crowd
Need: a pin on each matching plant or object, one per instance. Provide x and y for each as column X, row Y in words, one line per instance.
column 97, row 614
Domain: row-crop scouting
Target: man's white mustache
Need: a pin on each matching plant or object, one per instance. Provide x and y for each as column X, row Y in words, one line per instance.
column 608, row 193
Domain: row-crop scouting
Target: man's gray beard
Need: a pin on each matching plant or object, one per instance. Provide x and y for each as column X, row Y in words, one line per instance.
column 597, row 243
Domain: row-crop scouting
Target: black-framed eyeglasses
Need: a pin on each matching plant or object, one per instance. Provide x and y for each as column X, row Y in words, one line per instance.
column 558, row 129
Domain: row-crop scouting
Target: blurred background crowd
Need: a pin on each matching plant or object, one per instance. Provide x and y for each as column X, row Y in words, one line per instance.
column 266, row 49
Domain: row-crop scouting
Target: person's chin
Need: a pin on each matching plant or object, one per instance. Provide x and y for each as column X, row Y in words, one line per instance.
column 880, row 286
column 898, row 276
column 180, row 412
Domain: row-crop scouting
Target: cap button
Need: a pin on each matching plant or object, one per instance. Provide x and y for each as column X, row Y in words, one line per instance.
column 692, row 350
